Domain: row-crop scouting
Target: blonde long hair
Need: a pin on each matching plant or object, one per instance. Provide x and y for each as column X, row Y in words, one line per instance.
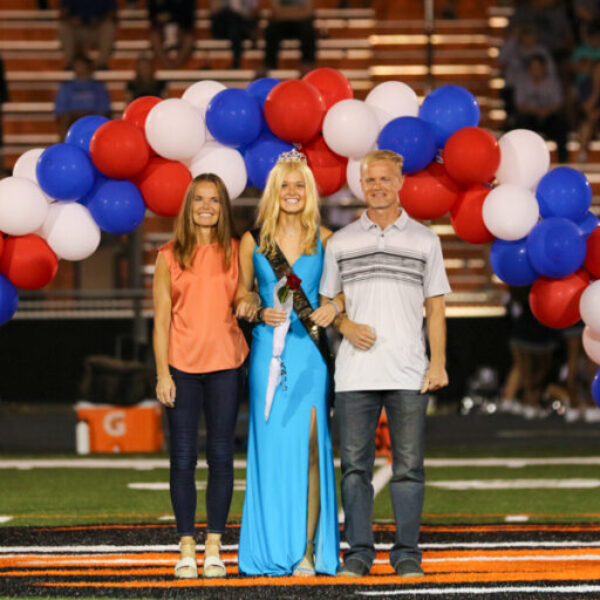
column 185, row 229
column 268, row 207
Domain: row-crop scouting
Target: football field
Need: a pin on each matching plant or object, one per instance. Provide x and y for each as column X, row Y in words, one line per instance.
column 513, row 524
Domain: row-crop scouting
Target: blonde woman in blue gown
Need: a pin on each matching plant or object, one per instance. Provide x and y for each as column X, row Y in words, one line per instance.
column 289, row 521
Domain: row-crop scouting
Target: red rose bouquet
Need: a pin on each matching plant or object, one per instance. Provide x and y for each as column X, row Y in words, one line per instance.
column 291, row 283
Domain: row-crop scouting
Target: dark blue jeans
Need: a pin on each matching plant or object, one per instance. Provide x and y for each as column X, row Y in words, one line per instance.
column 217, row 394
column 358, row 414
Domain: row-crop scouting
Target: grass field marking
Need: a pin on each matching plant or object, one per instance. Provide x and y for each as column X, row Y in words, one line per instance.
column 516, row 518
column 239, row 485
column 145, row 464
column 514, row 484
column 5, row 518
column 529, row 589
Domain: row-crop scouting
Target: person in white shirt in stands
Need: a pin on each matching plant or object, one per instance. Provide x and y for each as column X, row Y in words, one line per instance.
column 388, row 266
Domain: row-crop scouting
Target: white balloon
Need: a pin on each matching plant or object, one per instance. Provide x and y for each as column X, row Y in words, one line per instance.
column 225, row 162
column 383, row 117
column 350, row 128
column 395, row 98
column 26, row 164
column 524, row 158
column 200, row 94
column 71, row 231
column 591, row 344
column 510, row 212
column 175, row 129
column 353, row 177
column 23, row 206
column 589, row 305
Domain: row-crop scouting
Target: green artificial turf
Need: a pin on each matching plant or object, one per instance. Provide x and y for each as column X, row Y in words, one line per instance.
column 60, row 496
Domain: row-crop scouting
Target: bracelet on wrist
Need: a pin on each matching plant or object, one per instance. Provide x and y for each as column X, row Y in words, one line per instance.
column 259, row 314
column 335, row 306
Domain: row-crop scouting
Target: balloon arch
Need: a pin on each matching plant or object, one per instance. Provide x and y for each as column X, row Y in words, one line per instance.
column 108, row 172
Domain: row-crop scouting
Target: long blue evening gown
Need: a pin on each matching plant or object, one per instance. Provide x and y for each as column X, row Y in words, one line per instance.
column 273, row 533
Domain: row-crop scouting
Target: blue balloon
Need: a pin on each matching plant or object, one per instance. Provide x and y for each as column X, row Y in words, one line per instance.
column 564, row 192
column 587, row 223
column 9, row 299
column 81, row 132
column 448, row 109
column 596, row 388
column 234, row 117
column 117, row 206
column 65, row 172
column 260, row 89
column 261, row 156
column 412, row 138
column 511, row 263
column 556, row 247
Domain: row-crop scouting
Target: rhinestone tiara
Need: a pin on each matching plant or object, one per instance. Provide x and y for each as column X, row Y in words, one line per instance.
column 291, row 156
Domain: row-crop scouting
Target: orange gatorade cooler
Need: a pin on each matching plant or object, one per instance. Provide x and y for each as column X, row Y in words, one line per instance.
column 113, row 428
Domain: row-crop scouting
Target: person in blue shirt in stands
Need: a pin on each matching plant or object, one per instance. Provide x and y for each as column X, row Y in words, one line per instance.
column 80, row 96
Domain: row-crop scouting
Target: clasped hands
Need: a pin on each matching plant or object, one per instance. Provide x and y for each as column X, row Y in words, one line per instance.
column 249, row 308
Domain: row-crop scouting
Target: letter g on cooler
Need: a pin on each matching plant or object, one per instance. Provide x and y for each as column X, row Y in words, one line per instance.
column 114, row 423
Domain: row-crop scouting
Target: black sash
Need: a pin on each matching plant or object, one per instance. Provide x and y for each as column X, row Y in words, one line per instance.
column 303, row 309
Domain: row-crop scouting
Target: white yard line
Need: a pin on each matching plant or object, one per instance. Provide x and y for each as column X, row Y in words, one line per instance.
column 5, row 518
column 447, row 591
column 515, row 484
column 115, row 549
column 163, row 463
column 141, row 464
column 160, row 486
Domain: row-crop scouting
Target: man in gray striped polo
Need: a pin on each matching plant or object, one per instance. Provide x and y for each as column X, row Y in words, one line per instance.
column 387, row 265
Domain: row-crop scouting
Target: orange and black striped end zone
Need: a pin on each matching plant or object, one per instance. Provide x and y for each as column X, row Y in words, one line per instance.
column 462, row 561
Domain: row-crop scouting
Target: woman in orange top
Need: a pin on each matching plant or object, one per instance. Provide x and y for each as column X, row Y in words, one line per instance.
column 199, row 349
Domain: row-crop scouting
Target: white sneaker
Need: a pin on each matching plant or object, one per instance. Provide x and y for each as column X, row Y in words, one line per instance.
column 572, row 415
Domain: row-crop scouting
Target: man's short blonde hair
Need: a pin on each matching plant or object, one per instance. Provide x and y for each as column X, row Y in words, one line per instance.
column 377, row 155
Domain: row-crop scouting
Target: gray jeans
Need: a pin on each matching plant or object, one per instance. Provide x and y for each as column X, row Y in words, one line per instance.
column 358, row 414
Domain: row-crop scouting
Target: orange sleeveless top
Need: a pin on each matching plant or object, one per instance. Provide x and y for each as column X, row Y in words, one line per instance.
column 204, row 335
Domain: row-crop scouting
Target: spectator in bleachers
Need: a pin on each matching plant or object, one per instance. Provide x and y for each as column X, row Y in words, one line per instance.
column 586, row 64
column 172, row 32
column 585, row 13
column 3, row 99
column 513, row 57
column 291, row 19
column 550, row 19
column 145, row 82
column 80, row 96
column 236, row 21
column 540, row 104
column 84, row 25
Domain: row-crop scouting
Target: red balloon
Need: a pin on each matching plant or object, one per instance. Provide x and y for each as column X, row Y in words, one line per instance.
column 163, row 184
column 555, row 302
column 471, row 155
column 428, row 194
column 137, row 111
column 467, row 218
column 119, row 149
column 592, row 258
column 328, row 167
column 294, row 111
column 28, row 262
column 332, row 85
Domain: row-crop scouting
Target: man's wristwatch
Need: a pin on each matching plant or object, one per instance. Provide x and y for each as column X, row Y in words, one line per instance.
column 259, row 314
